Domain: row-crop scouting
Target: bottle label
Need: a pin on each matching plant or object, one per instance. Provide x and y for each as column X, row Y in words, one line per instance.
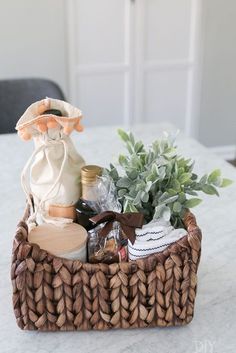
column 123, row 254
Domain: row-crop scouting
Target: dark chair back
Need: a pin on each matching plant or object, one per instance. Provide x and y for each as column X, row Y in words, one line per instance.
column 17, row 95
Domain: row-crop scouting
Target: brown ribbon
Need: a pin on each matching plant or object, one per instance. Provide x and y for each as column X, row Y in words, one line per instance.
column 128, row 222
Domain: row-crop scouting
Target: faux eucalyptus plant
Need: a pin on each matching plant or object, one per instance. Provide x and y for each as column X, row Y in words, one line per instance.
column 158, row 182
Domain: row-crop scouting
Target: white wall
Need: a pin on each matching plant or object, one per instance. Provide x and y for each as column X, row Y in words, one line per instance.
column 33, row 40
column 218, row 95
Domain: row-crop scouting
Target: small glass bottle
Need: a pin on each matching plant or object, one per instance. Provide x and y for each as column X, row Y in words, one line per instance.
column 89, row 174
column 86, row 205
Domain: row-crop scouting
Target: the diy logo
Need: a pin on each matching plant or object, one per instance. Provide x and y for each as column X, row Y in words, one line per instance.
column 204, row 346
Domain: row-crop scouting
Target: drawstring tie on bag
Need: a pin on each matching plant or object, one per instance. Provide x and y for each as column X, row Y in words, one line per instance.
column 40, row 207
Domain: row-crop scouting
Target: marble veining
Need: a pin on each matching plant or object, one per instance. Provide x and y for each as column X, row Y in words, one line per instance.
column 213, row 327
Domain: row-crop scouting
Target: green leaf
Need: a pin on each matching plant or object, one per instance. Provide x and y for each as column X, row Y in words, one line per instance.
column 210, row 190
column 162, row 173
column 177, row 207
column 138, row 147
column 129, row 207
column 194, row 176
column 122, row 192
column 152, row 178
column 123, row 182
column 217, row 182
column 156, row 147
column 182, row 197
column 176, row 169
column 122, row 160
column 175, row 184
column 129, row 148
column 137, row 200
column 185, row 177
column 180, row 171
column 163, row 197
column 171, row 192
column 145, row 197
column 171, row 199
column 135, row 162
column 195, row 186
column 226, row 182
column 162, row 211
column 203, row 179
column 140, row 186
column 192, row 202
column 191, row 192
column 131, row 137
column 123, row 135
column 132, row 191
column 112, row 166
column 150, row 157
column 155, row 169
column 191, row 168
column 214, row 176
column 148, row 186
column 132, row 174
column 114, row 174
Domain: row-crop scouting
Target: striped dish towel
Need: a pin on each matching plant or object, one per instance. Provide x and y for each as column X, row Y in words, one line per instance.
column 152, row 238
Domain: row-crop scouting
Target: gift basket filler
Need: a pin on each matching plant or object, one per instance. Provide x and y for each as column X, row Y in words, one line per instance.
column 101, row 248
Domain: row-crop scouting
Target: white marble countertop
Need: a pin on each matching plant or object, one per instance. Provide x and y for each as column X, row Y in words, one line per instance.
column 213, row 327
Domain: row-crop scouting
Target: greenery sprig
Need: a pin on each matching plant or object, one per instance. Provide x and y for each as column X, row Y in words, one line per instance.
column 158, row 182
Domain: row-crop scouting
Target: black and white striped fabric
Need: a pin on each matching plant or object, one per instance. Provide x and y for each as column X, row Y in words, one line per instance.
column 152, row 238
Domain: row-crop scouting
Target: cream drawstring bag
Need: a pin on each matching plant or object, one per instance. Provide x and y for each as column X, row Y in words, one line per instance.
column 51, row 175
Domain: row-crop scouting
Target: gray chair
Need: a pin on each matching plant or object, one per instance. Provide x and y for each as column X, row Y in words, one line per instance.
column 16, row 95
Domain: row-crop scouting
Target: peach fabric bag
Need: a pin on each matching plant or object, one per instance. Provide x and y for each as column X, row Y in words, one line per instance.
column 51, row 175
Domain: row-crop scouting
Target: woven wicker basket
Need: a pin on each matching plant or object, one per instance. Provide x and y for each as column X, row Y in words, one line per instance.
column 52, row 294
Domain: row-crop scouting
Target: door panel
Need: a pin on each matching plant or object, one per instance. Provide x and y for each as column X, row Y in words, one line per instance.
column 100, row 37
column 165, row 97
column 167, row 28
column 164, row 66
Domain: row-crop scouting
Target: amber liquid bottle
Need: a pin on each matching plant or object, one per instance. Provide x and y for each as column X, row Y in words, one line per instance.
column 85, row 207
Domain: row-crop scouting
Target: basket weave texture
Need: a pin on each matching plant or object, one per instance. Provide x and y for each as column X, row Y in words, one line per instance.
column 51, row 293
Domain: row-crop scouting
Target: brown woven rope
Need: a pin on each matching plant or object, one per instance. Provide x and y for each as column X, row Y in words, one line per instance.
column 51, row 293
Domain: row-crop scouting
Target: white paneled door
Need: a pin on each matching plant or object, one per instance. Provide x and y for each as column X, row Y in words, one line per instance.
column 135, row 60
